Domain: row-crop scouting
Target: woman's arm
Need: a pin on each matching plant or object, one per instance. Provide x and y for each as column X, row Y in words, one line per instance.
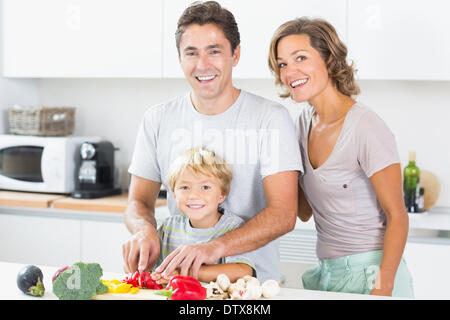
column 304, row 209
column 387, row 184
column 234, row 271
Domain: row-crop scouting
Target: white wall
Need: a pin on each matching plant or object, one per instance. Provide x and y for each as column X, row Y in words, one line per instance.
column 417, row 112
column 13, row 91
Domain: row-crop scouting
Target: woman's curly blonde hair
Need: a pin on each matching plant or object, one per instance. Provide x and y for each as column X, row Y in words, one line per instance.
column 324, row 38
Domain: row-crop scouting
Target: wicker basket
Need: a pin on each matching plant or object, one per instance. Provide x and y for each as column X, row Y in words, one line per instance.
column 42, row 121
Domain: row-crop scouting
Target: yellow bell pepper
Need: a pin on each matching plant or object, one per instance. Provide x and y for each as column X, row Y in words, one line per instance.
column 116, row 286
column 122, row 288
column 134, row 290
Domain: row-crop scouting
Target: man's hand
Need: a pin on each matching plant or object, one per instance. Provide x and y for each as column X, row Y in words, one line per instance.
column 189, row 258
column 141, row 251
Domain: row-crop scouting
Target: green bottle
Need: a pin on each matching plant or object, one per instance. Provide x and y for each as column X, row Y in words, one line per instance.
column 411, row 176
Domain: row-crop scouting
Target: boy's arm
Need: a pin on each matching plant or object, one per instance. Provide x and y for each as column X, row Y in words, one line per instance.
column 234, row 271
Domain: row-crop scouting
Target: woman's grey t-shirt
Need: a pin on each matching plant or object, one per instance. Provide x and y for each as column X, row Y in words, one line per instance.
column 255, row 136
column 347, row 214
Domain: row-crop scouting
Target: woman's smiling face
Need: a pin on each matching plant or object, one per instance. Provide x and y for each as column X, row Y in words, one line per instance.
column 302, row 69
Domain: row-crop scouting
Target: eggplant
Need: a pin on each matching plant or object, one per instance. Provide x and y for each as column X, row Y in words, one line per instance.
column 30, row 281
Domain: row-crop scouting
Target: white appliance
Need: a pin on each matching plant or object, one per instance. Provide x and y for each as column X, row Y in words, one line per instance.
column 40, row 164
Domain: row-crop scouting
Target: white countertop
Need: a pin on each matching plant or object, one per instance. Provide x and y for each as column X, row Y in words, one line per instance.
column 10, row 291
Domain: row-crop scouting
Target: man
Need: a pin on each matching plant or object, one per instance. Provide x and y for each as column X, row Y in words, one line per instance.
column 254, row 135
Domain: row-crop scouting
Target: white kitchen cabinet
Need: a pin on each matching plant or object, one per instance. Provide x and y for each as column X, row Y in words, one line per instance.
column 429, row 264
column 39, row 240
column 257, row 22
column 82, row 38
column 400, row 40
column 102, row 241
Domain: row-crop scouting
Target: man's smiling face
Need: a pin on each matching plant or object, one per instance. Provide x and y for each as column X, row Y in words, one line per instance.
column 207, row 60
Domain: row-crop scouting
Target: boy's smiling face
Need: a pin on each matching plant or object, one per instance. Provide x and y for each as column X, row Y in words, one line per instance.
column 198, row 196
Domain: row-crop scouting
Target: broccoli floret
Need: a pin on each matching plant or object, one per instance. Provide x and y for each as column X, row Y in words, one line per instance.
column 80, row 282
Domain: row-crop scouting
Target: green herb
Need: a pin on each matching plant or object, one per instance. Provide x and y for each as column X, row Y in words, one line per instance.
column 80, row 282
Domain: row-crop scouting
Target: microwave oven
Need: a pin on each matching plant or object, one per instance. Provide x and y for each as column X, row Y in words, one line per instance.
column 40, row 164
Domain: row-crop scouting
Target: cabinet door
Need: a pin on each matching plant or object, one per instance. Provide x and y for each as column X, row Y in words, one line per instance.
column 429, row 265
column 82, row 38
column 101, row 242
column 400, row 40
column 257, row 22
column 39, row 240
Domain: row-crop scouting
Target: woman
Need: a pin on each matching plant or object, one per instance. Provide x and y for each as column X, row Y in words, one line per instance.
column 352, row 182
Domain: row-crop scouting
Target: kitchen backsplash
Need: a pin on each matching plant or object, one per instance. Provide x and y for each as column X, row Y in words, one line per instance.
column 416, row 111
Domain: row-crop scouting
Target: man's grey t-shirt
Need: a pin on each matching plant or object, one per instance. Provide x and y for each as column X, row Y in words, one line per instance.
column 348, row 217
column 255, row 136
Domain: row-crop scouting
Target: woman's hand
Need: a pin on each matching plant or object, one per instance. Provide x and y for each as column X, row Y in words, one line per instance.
column 382, row 288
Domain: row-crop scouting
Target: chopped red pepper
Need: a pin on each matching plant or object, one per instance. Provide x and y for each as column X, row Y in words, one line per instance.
column 142, row 280
column 183, row 288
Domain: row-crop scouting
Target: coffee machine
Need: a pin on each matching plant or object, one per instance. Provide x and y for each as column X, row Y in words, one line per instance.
column 96, row 171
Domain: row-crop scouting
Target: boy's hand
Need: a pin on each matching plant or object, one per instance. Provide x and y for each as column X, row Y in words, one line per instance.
column 160, row 279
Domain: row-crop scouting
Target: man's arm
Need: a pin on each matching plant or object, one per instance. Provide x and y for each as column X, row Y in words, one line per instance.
column 278, row 218
column 141, row 251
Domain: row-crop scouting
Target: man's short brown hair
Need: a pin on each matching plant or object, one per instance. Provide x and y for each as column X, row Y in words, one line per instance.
column 202, row 13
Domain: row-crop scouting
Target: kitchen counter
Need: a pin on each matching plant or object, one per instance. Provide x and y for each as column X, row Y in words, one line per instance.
column 107, row 208
column 435, row 219
column 115, row 203
column 10, row 291
column 62, row 206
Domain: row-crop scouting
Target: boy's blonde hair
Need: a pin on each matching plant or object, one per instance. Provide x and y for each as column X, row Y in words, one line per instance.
column 204, row 161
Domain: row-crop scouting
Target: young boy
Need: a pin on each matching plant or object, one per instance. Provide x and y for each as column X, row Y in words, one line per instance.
column 200, row 181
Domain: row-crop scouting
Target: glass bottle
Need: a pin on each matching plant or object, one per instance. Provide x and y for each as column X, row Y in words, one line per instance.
column 411, row 176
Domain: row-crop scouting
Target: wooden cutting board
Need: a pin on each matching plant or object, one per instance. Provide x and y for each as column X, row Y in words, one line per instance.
column 432, row 187
column 116, row 203
column 28, row 199
column 142, row 294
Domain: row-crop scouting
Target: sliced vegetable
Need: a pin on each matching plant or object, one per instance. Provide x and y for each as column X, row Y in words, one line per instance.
column 142, row 280
column 29, row 281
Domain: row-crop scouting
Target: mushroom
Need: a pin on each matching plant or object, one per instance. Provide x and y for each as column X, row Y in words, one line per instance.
column 270, row 288
column 251, row 281
column 213, row 291
column 236, row 290
column 252, row 292
column 223, row 281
